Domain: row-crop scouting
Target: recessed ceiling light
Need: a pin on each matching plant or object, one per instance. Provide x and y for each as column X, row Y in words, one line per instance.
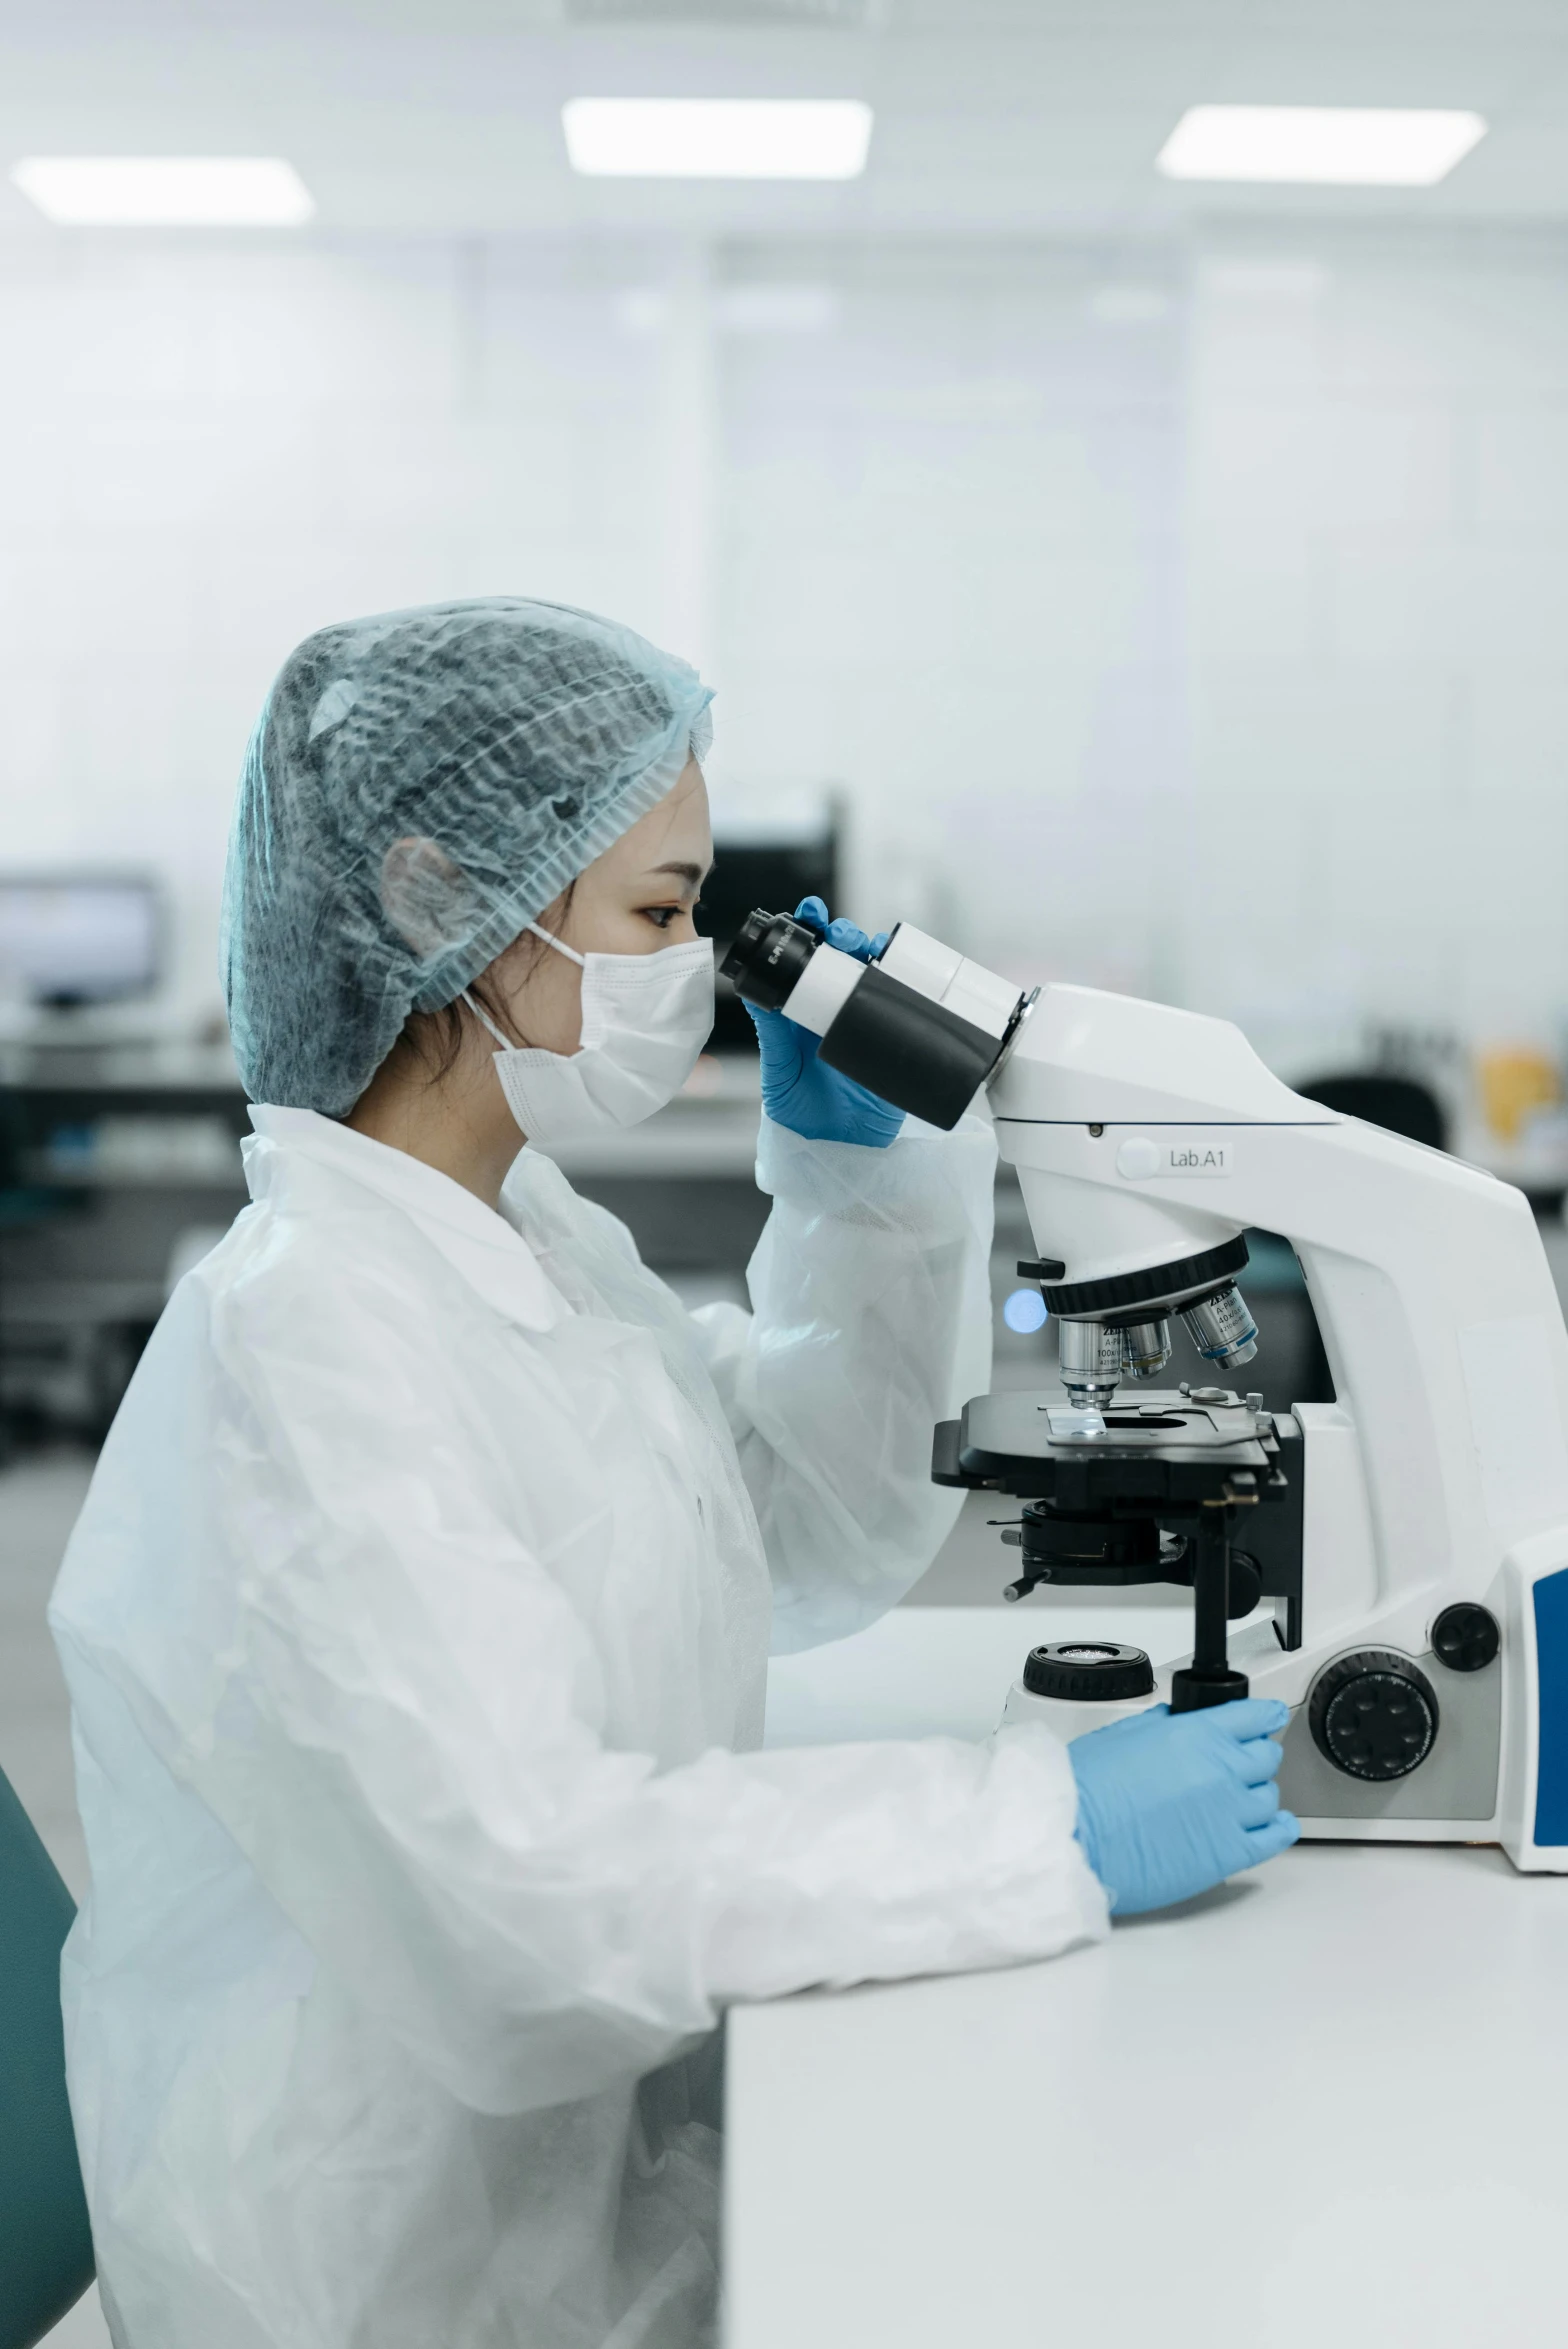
column 166, row 191
column 717, row 138
column 1337, row 146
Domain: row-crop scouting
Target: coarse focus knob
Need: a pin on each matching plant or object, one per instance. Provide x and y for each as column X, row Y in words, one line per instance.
column 1092, row 1671
column 1465, row 1637
column 1374, row 1714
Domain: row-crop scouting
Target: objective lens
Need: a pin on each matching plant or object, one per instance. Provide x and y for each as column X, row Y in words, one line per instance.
column 1222, row 1329
column 1146, row 1347
column 1091, row 1360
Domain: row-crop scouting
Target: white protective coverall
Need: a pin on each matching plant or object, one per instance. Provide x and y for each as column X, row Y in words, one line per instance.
column 416, row 1629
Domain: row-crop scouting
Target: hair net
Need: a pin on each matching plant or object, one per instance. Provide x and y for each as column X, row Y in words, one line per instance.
column 419, row 787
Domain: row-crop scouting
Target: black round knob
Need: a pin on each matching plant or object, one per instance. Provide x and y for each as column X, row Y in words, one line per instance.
column 1374, row 1714
column 1088, row 1671
column 1465, row 1637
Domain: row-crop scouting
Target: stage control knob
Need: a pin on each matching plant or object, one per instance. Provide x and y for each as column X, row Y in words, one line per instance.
column 1466, row 1637
column 1374, row 1714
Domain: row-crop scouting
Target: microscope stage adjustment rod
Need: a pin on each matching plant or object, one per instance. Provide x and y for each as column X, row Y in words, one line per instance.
column 1211, row 1679
column 1374, row 1715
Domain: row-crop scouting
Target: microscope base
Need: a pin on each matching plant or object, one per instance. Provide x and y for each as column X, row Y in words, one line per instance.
column 1068, row 1720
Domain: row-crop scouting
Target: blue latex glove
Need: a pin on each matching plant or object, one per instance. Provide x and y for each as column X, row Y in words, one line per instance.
column 797, row 1090
column 1170, row 1803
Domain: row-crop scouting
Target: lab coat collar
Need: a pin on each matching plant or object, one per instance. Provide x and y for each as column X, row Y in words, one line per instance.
column 482, row 1246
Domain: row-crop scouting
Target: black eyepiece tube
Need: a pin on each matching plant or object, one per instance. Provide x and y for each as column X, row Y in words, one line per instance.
column 892, row 1035
column 1210, row 1679
column 912, row 1052
column 769, row 955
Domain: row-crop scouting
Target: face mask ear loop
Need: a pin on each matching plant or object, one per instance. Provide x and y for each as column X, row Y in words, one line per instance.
column 559, row 944
column 485, row 1021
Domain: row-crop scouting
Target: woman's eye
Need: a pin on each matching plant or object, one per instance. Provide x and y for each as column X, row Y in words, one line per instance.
column 661, row 915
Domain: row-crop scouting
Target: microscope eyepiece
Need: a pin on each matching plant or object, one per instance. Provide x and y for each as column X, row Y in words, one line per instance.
column 769, row 958
column 921, row 1026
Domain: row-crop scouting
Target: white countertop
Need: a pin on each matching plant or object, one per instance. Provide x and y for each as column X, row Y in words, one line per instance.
column 1326, row 2103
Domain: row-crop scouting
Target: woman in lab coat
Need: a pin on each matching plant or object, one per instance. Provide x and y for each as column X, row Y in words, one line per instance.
column 417, row 1620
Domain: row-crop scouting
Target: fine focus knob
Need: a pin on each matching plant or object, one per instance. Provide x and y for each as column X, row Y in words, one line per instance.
column 1465, row 1637
column 1374, row 1715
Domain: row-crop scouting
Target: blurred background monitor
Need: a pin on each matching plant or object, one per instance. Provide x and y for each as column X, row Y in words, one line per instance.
column 758, row 864
column 69, row 939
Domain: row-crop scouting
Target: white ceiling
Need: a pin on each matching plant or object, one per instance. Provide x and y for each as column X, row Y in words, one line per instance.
column 994, row 117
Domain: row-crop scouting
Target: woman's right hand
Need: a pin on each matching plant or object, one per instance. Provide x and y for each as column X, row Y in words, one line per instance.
column 1170, row 1803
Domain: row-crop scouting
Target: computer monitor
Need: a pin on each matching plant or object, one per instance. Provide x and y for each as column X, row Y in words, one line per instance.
column 78, row 938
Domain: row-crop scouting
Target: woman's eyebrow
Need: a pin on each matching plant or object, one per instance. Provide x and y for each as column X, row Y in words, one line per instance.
column 692, row 875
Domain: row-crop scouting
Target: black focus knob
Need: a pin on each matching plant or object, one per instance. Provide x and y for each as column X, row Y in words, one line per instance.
column 1374, row 1714
column 1093, row 1671
column 1465, row 1637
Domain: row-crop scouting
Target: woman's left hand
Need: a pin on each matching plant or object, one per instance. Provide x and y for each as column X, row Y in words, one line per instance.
column 798, row 1090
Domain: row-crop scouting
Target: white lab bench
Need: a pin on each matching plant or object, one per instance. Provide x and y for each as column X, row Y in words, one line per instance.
column 1328, row 2102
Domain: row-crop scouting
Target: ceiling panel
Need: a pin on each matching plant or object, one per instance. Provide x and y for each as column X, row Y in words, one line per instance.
column 994, row 117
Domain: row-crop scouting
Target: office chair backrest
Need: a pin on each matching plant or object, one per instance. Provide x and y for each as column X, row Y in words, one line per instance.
column 46, row 2249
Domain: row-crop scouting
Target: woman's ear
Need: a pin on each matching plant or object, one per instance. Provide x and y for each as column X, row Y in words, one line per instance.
column 424, row 895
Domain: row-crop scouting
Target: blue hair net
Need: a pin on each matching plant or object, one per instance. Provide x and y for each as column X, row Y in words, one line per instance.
column 420, row 786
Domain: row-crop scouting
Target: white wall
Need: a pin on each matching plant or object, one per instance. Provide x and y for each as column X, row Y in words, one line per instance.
column 1188, row 624
column 206, row 451
column 952, row 575
column 1378, row 555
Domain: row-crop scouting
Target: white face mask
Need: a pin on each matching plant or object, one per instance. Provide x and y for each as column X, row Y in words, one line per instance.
column 646, row 1017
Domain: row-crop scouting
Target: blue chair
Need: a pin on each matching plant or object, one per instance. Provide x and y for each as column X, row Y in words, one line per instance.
column 46, row 2245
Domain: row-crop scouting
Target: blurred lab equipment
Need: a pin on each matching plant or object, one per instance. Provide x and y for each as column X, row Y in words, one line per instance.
column 69, row 940
column 1401, row 1105
column 121, row 1161
column 140, row 1148
column 1515, row 1082
column 46, row 2251
column 116, row 1149
column 1413, row 1535
column 25, row 1209
column 1518, row 1123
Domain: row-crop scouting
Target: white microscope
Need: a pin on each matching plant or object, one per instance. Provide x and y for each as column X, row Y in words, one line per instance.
column 1412, row 1536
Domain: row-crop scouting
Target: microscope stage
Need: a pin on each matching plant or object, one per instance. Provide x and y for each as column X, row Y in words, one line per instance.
column 1028, row 1425
column 1172, row 1446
